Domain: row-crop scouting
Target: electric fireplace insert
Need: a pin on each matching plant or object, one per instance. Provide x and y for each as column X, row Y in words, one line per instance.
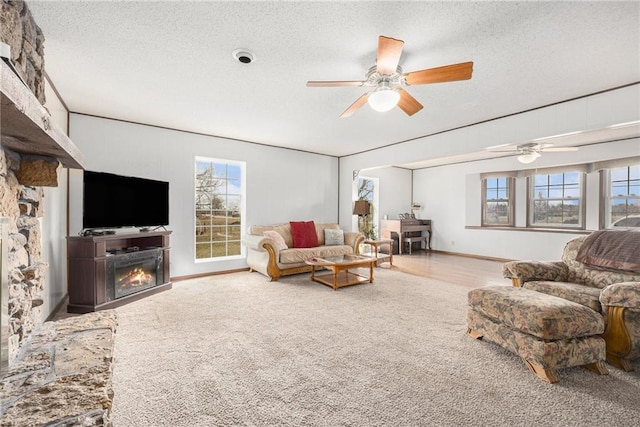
column 128, row 273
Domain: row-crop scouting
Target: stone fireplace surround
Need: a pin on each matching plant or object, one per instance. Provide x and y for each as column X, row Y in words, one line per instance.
column 58, row 373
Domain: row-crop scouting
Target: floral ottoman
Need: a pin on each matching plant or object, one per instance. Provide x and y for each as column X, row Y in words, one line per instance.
column 547, row 332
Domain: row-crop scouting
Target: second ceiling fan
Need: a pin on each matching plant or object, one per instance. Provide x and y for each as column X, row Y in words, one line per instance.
column 387, row 80
column 529, row 152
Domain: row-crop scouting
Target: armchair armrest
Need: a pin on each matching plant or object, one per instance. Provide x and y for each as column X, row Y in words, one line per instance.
column 621, row 306
column 353, row 239
column 624, row 294
column 526, row 271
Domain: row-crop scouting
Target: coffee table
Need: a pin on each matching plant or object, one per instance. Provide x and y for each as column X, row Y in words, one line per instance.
column 340, row 275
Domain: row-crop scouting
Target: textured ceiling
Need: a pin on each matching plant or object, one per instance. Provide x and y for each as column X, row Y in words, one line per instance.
column 170, row 63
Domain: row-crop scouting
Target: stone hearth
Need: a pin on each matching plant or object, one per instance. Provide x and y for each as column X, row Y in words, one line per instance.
column 62, row 376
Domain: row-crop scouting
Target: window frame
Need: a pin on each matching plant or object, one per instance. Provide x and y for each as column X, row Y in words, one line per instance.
column 511, row 201
column 606, row 181
column 239, row 192
column 531, row 199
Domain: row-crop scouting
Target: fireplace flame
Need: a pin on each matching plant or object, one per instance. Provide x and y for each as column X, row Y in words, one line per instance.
column 135, row 277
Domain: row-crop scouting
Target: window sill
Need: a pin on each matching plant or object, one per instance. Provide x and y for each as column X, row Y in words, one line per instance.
column 219, row 259
column 531, row 229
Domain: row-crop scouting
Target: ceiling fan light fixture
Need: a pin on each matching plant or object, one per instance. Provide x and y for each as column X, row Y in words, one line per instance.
column 383, row 99
column 528, row 157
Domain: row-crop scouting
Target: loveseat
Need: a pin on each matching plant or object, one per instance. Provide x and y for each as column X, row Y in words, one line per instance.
column 271, row 249
column 600, row 271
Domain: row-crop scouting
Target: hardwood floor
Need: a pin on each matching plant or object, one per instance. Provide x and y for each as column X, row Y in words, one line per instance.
column 460, row 270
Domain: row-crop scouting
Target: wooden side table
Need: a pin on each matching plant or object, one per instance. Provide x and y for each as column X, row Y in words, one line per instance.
column 375, row 246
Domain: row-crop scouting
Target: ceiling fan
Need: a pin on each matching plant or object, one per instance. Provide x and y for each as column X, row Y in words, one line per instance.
column 387, row 80
column 529, row 152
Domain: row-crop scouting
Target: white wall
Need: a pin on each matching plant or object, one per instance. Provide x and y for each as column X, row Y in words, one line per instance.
column 54, row 245
column 454, row 194
column 442, row 190
column 282, row 185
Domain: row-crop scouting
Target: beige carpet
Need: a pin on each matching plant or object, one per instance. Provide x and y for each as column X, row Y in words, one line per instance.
column 238, row 350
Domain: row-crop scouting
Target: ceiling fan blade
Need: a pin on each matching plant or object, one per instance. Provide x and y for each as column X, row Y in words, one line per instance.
column 408, row 103
column 355, row 106
column 389, row 51
column 334, row 83
column 503, row 150
column 448, row 73
column 558, row 149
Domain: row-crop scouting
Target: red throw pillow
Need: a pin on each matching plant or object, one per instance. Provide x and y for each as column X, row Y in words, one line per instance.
column 304, row 234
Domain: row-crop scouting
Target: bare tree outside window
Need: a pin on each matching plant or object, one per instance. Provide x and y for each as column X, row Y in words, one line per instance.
column 218, row 203
column 556, row 200
column 498, row 202
column 366, row 191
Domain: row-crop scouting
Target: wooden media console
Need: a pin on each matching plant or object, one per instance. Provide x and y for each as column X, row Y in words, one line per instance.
column 107, row 271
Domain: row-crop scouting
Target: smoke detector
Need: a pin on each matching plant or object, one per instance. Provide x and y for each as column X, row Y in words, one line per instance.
column 244, row 56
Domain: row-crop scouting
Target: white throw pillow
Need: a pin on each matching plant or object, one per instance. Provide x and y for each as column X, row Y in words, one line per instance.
column 333, row 237
column 275, row 236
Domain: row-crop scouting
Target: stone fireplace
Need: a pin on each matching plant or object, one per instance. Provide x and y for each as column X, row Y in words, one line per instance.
column 4, row 297
column 51, row 373
column 22, row 176
column 21, row 207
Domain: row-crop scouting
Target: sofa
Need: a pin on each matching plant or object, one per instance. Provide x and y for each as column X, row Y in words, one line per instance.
column 602, row 272
column 271, row 249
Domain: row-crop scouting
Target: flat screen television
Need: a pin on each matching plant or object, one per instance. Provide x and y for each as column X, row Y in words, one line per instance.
column 116, row 201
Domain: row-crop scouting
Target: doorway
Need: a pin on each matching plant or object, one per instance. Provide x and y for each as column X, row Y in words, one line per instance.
column 367, row 188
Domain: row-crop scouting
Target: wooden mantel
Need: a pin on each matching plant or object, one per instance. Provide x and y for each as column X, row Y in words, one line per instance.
column 27, row 127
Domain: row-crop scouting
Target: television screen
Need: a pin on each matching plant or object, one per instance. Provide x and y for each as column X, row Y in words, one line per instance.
column 111, row 201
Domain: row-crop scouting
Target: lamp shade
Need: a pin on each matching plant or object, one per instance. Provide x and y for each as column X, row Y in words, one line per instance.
column 528, row 157
column 383, row 99
column 361, row 207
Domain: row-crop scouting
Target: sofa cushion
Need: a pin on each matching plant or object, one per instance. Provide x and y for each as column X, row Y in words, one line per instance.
column 292, row 256
column 283, row 229
column 304, row 234
column 320, row 231
column 580, row 294
column 277, row 238
column 333, row 237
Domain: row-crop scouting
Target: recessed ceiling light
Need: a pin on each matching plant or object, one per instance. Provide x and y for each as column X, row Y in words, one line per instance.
column 244, row 56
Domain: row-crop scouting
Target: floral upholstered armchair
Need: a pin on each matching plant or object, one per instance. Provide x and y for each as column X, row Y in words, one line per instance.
column 600, row 271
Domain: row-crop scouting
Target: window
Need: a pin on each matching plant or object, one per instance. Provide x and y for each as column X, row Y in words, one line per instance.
column 556, row 200
column 498, row 201
column 219, row 207
column 622, row 197
column 367, row 190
